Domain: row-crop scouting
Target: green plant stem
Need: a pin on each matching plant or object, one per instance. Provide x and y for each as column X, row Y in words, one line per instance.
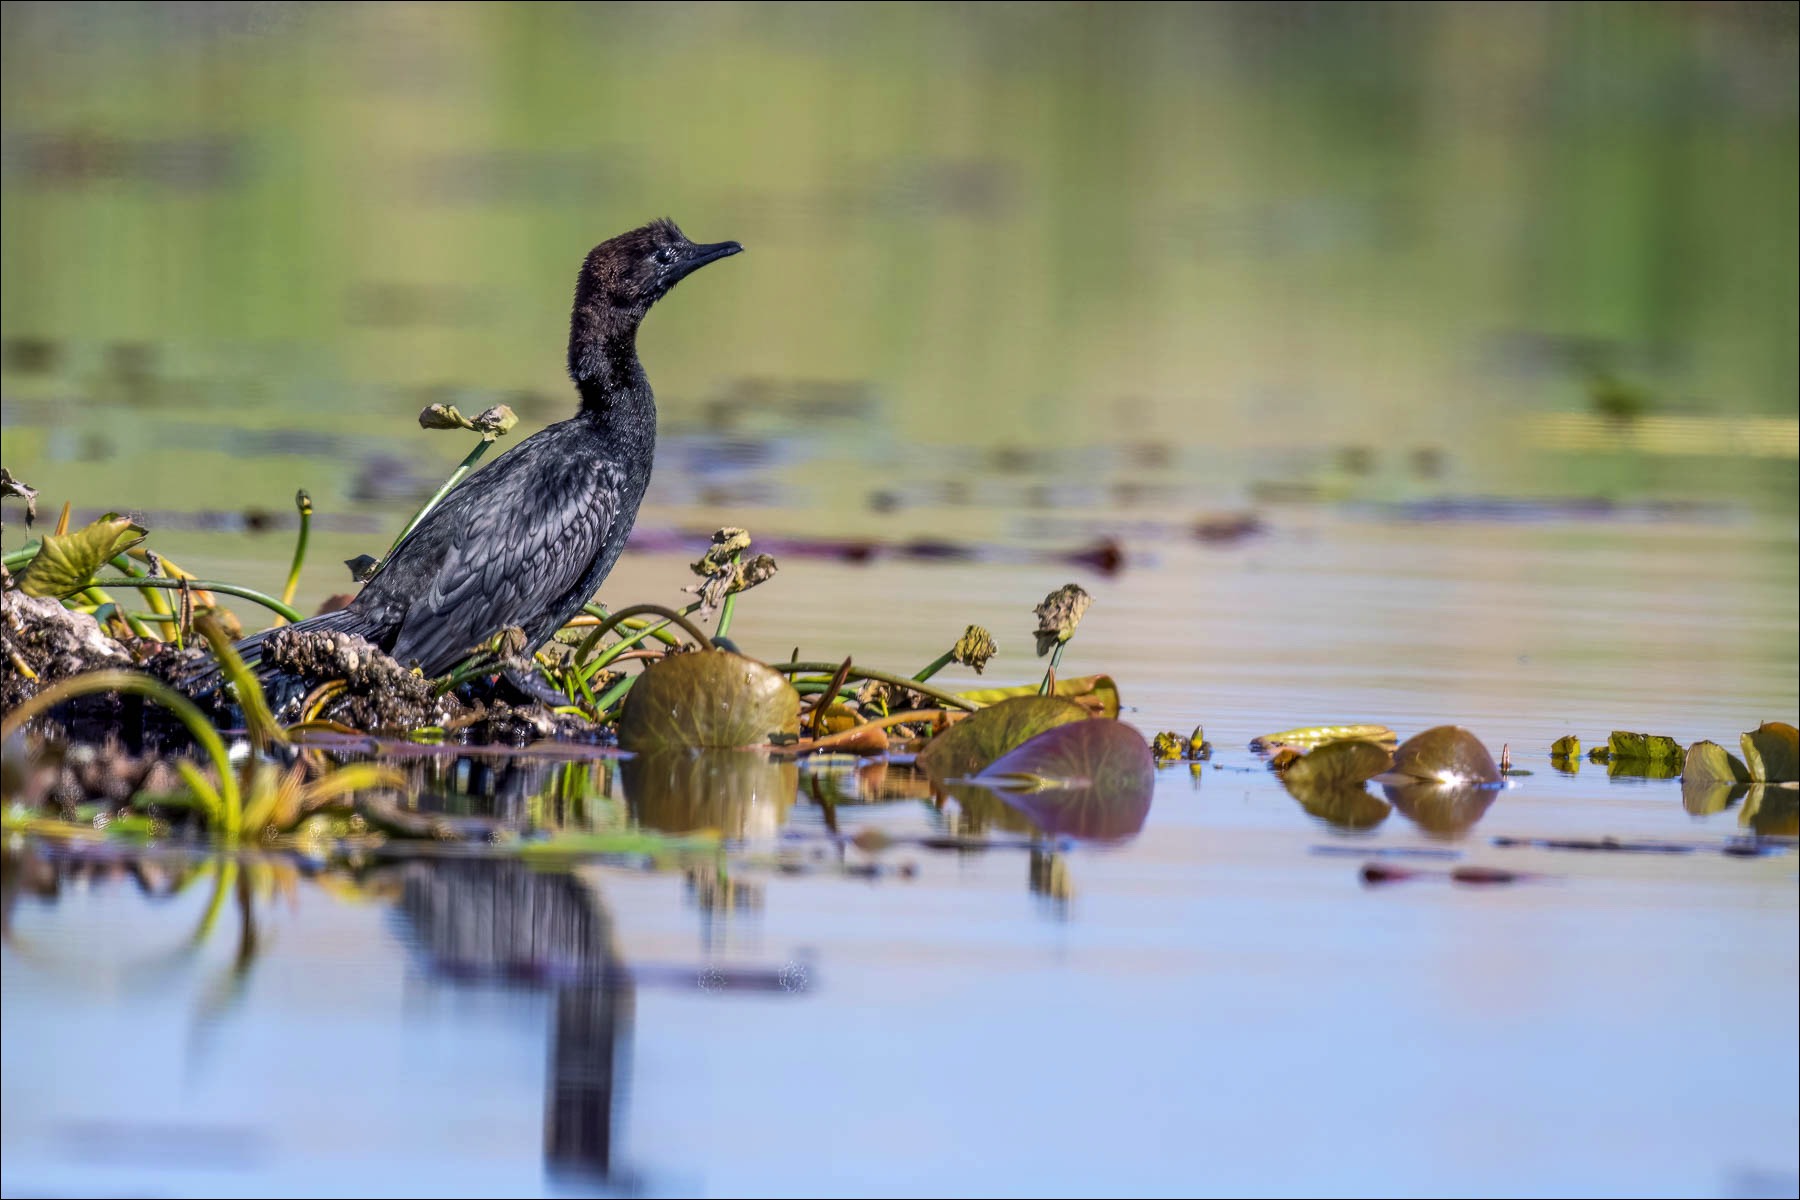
column 611, row 696
column 152, row 689
column 208, row 585
column 456, row 477
column 101, row 600
column 947, row 699
column 589, row 670
column 679, row 618
column 303, row 502
column 1050, row 674
column 636, row 623
column 725, row 613
column 935, row 665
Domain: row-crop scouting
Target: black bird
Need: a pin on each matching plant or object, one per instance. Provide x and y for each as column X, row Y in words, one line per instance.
column 526, row 540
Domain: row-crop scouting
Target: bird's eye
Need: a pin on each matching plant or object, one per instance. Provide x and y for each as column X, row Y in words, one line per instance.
column 665, row 255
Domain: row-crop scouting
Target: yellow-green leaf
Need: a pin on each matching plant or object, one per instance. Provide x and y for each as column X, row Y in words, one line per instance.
column 975, row 741
column 1096, row 693
column 1772, row 752
column 67, row 562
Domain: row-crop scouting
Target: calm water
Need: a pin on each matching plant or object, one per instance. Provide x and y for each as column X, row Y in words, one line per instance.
column 1021, row 283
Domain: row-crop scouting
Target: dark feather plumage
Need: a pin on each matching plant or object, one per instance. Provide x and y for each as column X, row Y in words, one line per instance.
column 527, row 540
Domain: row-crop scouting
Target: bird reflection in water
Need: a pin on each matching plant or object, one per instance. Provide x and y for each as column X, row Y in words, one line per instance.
column 489, row 921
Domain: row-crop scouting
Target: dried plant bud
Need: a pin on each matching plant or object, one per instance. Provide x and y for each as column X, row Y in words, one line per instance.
column 1058, row 616
column 303, row 502
column 725, row 543
column 12, row 487
column 442, row 416
column 510, row 641
column 494, row 422
column 974, row 648
column 722, row 574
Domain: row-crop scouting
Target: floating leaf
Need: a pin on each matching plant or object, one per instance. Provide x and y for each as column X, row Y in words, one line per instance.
column 1446, row 754
column 1166, row 746
column 1566, row 747
column 1333, row 764
column 972, row 743
column 1315, row 735
column 735, row 792
column 66, row 562
column 1096, row 693
column 1709, row 762
column 708, row 698
column 1649, row 747
column 1085, row 779
column 1772, row 752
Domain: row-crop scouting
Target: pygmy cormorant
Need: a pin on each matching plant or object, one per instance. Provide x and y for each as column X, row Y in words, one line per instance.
column 527, row 540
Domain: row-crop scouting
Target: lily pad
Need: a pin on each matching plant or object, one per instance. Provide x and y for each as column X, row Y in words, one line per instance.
column 732, row 792
column 1709, row 762
column 1334, row 764
column 1446, row 755
column 67, row 562
column 974, row 742
column 1652, row 747
column 1315, row 735
column 1772, row 752
column 1085, row 779
column 1096, row 693
column 710, row 698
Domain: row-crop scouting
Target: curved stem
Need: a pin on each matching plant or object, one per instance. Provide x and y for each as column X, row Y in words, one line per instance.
column 668, row 614
column 947, row 699
column 208, row 585
column 303, row 502
column 152, row 689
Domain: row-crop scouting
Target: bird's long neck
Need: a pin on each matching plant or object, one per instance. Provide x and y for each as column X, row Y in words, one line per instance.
column 615, row 392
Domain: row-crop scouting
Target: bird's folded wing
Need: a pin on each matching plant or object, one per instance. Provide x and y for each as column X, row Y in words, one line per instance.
column 508, row 563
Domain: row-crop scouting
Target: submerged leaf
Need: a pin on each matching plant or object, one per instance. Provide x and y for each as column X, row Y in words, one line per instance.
column 735, row 792
column 1772, row 752
column 1086, row 779
column 1096, row 693
column 1643, row 746
column 1314, row 735
column 709, row 698
column 972, row 743
column 1445, row 755
column 67, row 562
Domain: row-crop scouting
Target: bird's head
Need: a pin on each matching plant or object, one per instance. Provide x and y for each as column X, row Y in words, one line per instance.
column 631, row 272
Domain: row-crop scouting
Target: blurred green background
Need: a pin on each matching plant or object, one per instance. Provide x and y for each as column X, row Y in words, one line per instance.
column 1138, row 261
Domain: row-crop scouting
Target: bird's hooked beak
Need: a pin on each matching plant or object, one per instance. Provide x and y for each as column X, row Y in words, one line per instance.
column 698, row 256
